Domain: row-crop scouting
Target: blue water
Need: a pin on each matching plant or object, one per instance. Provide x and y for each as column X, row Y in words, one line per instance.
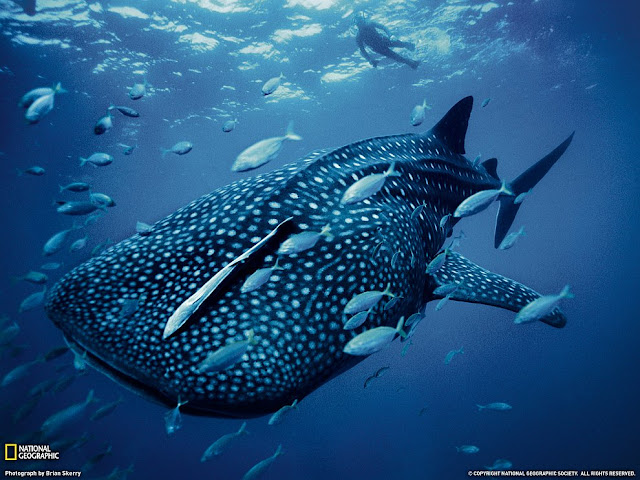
column 550, row 67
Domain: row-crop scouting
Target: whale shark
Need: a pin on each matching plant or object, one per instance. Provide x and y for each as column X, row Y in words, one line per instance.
column 283, row 338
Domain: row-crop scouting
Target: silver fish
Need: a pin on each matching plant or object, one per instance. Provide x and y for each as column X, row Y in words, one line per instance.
column 278, row 417
column 180, row 148
column 418, row 113
column 497, row 406
column 542, row 306
column 262, row 152
column 367, row 186
column 451, row 354
column 173, row 419
column 97, row 160
column 229, row 125
column 373, row 340
column 227, row 355
column 367, row 300
column 511, row 239
column 272, row 85
column 480, row 201
column 261, row 467
column 221, row 444
column 56, row 421
column 300, row 242
column 32, row 301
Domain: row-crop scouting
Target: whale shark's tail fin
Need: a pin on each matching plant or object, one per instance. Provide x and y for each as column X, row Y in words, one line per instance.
column 525, row 182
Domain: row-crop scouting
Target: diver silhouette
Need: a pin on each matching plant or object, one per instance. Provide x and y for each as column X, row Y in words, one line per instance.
column 369, row 36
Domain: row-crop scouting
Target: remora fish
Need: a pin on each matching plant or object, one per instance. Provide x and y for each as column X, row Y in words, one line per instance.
column 196, row 260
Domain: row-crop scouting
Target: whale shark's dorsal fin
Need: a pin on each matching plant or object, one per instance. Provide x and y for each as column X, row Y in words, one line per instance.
column 477, row 285
column 191, row 304
column 452, row 128
column 491, row 166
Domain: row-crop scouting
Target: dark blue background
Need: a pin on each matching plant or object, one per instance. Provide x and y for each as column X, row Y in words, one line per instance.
column 575, row 391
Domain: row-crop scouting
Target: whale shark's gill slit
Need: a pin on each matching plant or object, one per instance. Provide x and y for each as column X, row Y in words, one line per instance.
column 191, row 305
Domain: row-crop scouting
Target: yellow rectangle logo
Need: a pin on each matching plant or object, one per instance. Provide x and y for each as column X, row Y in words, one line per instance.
column 7, row 449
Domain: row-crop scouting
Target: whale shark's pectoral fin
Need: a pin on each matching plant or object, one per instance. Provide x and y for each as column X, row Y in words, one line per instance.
column 478, row 285
column 191, row 304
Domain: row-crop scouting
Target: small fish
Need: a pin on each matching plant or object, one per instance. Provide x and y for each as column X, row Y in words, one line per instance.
column 391, row 303
column 446, row 289
column 51, row 266
column 27, row 407
column 511, row 239
column 32, row 301
column 42, row 105
column 278, row 417
column 32, row 95
column 42, row 387
column 366, row 300
column 258, row 278
column 485, row 102
column 97, row 160
column 394, row 259
column 126, row 111
column 357, row 320
column 130, row 306
column 106, row 409
column 377, row 374
column 33, row 171
column 77, row 208
column 221, row 444
column 367, row 186
column 480, row 201
column 69, row 444
column 443, row 301
column 63, row 383
column 455, row 241
column 263, row 151
column 405, row 349
column 468, row 449
column 56, row 421
column 227, row 355
column 300, row 242
column 55, row 352
column 92, row 461
column 101, row 247
column 143, row 228
column 415, row 318
column 541, row 306
column 19, row 372
column 104, row 124
column 180, row 148
column 101, row 199
column 418, row 113
column 229, row 125
column 437, row 262
column 138, row 90
column 94, row 217
column 444, row 220
column 128, row 150
column 451, row 354
column 373, row 340
column 476, row 161
column 78, row 244
column 417, row 211
column 500, row 464
column 80, row 361
column 497, row 406
column 261, row 467
column 120, row 473
column 76, row 187
column 36, row 278
column 272, row 85
column 173, row 419
column 520, row 198
column 9, row 333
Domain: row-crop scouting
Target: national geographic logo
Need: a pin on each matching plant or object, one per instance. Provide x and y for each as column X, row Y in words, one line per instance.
column 13, row 451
